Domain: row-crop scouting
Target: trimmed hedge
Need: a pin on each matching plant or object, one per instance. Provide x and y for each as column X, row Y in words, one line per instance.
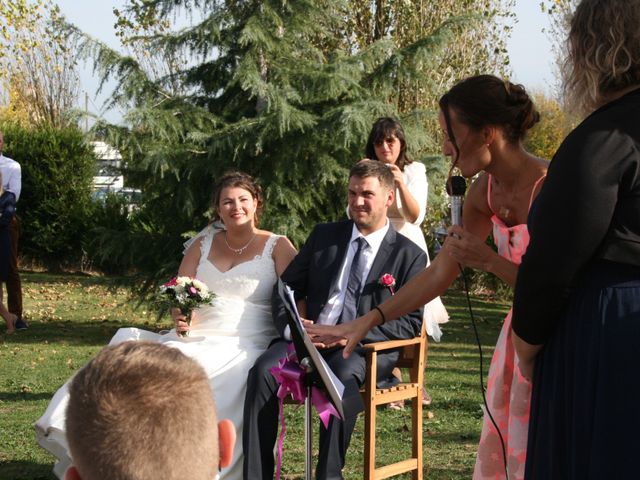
column 55, row 206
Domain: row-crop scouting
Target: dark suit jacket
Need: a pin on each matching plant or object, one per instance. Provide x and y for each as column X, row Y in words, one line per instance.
column 314, row 271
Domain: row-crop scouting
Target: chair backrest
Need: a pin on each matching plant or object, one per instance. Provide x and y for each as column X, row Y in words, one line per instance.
column 408, row 355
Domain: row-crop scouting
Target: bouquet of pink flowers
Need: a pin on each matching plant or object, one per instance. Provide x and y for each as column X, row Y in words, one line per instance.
column 185, row 293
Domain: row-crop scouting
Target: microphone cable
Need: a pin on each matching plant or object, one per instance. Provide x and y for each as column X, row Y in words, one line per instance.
column 482, row 389
column 450, row 190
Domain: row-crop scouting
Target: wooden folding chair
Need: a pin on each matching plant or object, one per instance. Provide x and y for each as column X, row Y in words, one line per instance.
column 412, row 356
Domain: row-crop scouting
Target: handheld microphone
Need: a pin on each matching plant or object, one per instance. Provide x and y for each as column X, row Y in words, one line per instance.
column 456, row 186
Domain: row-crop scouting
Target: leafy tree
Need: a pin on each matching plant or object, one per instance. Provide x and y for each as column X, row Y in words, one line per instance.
column 480, row 48
column 37, row 64
column 555, row 123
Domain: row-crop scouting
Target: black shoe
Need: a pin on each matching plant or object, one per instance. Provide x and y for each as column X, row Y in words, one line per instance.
column 21, row 324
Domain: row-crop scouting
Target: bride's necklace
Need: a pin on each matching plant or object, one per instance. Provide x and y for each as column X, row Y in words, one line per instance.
column 238, row 251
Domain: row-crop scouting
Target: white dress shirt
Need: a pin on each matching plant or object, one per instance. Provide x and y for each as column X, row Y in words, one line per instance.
column 333, row 308
column 11, row 175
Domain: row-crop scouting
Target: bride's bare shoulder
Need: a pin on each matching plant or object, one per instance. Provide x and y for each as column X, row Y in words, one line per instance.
column 283, row 252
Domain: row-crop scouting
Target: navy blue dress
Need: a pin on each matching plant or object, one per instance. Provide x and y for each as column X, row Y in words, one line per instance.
column 585, row 410
column 7, row 211
column 578, row 294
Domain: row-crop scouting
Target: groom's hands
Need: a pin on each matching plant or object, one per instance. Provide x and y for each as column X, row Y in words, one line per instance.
column 324, row 340
column 351, row 333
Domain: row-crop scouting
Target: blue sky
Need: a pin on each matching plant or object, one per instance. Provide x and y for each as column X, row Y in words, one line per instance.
column 529, row 48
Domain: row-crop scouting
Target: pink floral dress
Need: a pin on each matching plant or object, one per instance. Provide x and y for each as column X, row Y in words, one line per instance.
column 508, row 392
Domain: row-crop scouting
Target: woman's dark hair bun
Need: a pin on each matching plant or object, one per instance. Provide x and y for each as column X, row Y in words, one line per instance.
column 528, row 115
column 488, row 100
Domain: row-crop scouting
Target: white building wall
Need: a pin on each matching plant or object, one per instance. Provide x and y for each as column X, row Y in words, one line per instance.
column 108, row 163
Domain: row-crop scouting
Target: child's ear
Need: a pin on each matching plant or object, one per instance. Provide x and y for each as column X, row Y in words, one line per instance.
column 226, row 441
column 72, row 474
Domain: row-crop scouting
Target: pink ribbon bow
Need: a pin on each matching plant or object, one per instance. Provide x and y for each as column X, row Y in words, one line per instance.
column 290, row 375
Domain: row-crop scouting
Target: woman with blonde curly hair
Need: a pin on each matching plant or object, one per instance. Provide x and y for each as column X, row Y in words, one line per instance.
column 576, row 313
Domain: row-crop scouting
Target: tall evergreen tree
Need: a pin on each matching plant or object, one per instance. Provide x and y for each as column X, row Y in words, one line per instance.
column 271, row 87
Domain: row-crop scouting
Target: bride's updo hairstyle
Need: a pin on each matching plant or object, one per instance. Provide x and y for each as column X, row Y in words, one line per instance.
column 237, row 179
column 488, row 100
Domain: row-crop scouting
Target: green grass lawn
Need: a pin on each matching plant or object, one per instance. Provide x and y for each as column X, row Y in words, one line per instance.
column 72, row 317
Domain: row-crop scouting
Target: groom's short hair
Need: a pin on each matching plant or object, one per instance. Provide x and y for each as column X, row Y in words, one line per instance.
column 373, row 168
column 141, row 410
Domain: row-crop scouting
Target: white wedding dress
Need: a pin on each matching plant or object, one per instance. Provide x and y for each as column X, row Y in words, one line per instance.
column 226, row 339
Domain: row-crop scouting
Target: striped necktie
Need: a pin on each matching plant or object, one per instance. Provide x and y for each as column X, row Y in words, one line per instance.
column 354, row 283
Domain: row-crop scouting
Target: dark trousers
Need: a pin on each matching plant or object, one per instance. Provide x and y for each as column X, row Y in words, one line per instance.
column 261, row 413
column 14, row 286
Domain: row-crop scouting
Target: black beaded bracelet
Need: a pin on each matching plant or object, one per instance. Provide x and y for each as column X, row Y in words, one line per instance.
column 384, row 319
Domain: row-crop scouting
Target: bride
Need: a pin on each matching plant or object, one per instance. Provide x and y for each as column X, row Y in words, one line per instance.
column 240, row 264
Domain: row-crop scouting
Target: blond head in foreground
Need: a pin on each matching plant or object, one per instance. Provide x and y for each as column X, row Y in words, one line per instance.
column 143, row 411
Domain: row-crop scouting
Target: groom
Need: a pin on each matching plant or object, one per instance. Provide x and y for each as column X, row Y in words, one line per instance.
column 335, row 279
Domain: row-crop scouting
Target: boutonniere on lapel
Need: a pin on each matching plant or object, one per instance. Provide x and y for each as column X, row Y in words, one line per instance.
column 388, row 281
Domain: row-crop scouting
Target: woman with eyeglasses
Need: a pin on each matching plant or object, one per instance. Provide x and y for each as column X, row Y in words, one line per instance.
column 387, row 144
